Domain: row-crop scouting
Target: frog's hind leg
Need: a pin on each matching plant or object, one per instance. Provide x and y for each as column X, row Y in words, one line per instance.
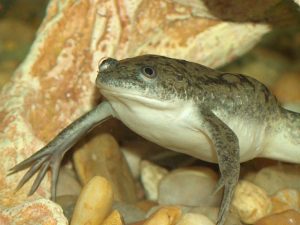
column 226, row 145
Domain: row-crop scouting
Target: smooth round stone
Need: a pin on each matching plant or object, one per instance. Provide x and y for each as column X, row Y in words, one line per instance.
column 285, row 199
column 146, row 205
column 114, row 218
column 289, row 217
column 194, row 219
column 133, row 159
column 275, row 178
column 251, row 202
column 168, row 215
column 67, row 183
column 130, row 213
column 136, row 150
column 213, row 212
column 190, row 187
column 138, row 223
column 151, row 175
column 67, row 203
column 94, row 202
column 101, row 156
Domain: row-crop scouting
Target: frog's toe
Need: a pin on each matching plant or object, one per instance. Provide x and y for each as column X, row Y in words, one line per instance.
column 40, row 161
column 226, row 201
column 34, row 168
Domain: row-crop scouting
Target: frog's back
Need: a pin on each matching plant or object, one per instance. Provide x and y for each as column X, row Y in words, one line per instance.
column 235, row 93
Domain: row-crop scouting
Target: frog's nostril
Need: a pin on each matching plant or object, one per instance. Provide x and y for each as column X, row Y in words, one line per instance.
column 107, row 64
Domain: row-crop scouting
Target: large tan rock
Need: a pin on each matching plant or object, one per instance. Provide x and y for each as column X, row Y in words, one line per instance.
column 55, row 83
column 41, row 211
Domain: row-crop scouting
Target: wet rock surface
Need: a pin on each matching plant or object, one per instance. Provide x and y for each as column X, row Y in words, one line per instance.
column 191, row 187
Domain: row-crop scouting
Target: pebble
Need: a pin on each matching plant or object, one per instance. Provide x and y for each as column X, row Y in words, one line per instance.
column 94, row 203
column 134, row 161
column 67, row 203
column 251, row 202
column 212, row 214
column 101, row 156
column 190, row 187
column 136, row 150
column 146, row 205
column 194, row 219
column 129, row 212
column 168, row 215
column 275, row 178
column 68, row 183
column 114, row 218
column 289, row 217
column 151, row 175
column 285, row 199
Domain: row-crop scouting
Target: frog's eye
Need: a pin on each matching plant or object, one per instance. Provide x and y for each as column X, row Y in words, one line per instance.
column 148, row 72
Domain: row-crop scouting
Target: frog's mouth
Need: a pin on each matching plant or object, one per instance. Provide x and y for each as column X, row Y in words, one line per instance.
column 133, row 97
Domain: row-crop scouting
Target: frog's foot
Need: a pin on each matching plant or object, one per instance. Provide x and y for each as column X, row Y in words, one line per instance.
column 47, row 157
column 51, row 155
column 229, row 186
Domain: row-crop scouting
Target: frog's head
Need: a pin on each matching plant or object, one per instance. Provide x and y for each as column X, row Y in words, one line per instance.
column 147, row 76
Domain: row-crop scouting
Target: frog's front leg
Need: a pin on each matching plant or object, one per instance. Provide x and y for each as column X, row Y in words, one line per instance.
column 226, row 145
column 51, row 155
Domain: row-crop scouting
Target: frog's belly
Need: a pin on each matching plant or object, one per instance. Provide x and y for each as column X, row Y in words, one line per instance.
column 178, row 129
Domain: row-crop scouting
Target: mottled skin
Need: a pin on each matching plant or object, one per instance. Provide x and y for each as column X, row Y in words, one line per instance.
column 218, row 117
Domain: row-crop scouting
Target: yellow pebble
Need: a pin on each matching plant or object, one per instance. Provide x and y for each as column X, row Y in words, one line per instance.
column 289, row 217
column 114, row 218
column 94, row 202
column 251, row 202
column 168, row 215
